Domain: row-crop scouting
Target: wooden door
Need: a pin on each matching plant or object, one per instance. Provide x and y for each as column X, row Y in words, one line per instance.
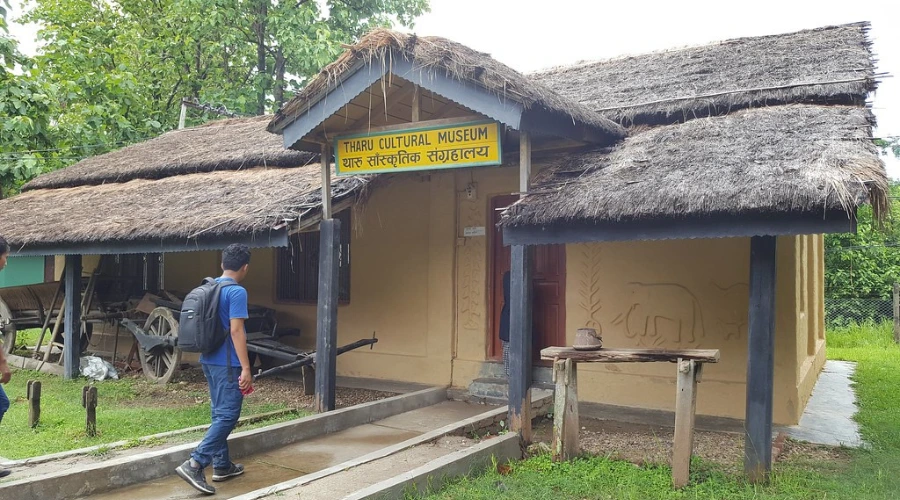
column 549, row 284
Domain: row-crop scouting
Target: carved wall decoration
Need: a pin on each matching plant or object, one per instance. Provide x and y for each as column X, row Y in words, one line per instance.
column 732, row 316
column 472, row 256
column 662, row 314
column 589, row 284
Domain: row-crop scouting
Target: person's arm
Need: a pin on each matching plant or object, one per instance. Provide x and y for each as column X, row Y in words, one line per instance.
column 5, row 374
column 239, row 339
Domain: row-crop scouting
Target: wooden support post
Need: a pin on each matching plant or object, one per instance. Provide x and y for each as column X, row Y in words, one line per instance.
column 897, row 313
column 183, row 115
column 326, row 331
column 760, row 359
column 72, row 326
column 520, row 342
column 416, row 103
column 520, row 316
column 524, row 162
column 89, row 401
column 325, row 160
column 33, row 392
column 685, row 410
column 565, row 410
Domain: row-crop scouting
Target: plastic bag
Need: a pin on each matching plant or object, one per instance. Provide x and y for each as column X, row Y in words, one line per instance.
column 95, row 368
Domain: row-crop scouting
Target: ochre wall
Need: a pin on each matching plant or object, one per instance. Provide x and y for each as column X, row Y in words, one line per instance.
column 422, row 286
column 694, row 294
column 402, row 248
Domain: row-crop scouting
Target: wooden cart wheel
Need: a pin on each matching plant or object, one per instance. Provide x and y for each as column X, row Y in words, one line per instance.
column 7, row 328
column 160, row 366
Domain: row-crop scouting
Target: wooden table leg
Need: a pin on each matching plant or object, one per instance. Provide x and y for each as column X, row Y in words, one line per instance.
column 565, row 411
column 685, row 409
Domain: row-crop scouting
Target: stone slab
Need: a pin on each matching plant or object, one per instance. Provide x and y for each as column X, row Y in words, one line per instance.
column 828, row 418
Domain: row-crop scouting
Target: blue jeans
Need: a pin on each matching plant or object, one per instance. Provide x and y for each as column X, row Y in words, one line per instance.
column 4, row 403
column 225, row 401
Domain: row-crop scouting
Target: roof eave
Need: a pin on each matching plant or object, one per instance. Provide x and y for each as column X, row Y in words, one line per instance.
column 665, row 228
column 275, row 237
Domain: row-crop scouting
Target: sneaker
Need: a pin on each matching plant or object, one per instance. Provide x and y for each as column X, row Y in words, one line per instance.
column 5, row 472
column 194, row 477
column 231, row 471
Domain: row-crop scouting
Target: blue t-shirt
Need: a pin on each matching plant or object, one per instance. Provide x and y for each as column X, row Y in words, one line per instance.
column 232, row 305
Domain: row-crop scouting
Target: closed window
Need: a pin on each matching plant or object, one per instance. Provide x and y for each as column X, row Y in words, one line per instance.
column 297, row 266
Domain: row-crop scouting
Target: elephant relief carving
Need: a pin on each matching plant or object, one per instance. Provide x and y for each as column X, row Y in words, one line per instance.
column 732, row 318
column 661, row 314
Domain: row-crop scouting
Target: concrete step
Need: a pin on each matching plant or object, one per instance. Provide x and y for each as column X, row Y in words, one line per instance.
column 496, row 388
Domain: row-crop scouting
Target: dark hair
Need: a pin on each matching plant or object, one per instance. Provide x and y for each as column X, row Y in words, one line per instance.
column 235, row 256
column 4, row 246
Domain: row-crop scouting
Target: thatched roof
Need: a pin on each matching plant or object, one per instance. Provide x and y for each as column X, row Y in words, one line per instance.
column 187, row 207
column 231, row 144
column 826, row 65
column 774, row 160
column 439, row 56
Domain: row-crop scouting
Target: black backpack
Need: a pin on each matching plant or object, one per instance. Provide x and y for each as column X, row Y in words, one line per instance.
column 199, row 327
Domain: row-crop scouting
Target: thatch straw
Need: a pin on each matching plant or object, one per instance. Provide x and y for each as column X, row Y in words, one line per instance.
column 776, row 160
column 223, row 203
column 440, row 56
column 231, row 144
column 826, row 65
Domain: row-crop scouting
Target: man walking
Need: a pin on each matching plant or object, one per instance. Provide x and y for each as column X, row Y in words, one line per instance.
column 5, row 374
column 227, row 371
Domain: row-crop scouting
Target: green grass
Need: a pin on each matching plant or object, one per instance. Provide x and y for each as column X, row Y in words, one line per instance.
column 28, row 338
column 127, row 409
column 873, row 473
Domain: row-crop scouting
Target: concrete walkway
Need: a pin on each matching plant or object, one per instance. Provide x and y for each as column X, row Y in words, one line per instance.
column 306, row 456
column 828, row 418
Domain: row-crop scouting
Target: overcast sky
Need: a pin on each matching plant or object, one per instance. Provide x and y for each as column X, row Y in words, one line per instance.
column 530, row 35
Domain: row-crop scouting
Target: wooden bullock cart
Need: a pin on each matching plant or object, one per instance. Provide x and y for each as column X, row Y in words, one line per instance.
column 156, row 342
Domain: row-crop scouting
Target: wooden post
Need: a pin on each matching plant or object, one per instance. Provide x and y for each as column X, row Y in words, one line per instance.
column 760, row 359
column 325, row 161
column 565, row 410
column 524, row 162
column 33, row 392
column 520, row 340
column 520, row 316
column 897, row 313
column 308, row 374
column 183, row 115
column 326, row 328
column 685, row 410
column 416, row 103
column 72, row 325
column 89, row 401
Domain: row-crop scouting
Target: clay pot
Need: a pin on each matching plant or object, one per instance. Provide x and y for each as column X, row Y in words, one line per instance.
column 587, row 339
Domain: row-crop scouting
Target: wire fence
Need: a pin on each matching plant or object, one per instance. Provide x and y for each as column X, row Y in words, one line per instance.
column 846, row 311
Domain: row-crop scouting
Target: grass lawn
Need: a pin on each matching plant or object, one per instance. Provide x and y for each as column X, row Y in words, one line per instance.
column 858, row 474
column 128, row 408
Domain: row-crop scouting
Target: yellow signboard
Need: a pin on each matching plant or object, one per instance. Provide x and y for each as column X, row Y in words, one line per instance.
column 463, row 145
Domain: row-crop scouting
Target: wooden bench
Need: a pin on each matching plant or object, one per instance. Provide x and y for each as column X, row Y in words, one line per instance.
column 565, row 412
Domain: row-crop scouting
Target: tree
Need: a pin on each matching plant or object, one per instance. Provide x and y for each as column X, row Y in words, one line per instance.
column 112, row 72
column 248, row 55
column 25, row 131
column 867, row 263
column 889, row 145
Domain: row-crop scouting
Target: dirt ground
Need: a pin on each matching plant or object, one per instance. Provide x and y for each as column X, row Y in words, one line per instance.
column 188, row 387
column 642, row 444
